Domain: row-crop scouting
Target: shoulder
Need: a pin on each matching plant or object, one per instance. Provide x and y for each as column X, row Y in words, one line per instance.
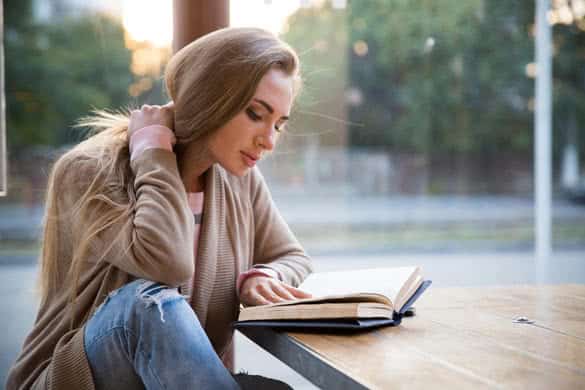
column 76, row 169
column 75, row 164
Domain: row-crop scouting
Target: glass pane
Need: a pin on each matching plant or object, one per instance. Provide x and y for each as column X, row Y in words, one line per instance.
column 413, row 135
column 62, row 61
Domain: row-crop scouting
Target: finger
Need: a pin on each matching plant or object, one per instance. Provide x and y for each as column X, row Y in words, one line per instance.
column 169, row 109
column 268, row 293
column 255, row 299
column 297, row 293
column 282, row 292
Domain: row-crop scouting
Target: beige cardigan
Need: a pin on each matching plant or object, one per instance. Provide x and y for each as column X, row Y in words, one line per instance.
column 241, row 227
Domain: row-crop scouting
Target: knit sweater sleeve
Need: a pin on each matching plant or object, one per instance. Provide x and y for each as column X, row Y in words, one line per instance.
column 154, row 240
column 275, row 246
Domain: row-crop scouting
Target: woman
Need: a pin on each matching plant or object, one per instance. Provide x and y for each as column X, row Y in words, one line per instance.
column 154, row 236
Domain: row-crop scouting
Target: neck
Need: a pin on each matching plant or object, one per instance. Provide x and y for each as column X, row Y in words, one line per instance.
column 193, row 163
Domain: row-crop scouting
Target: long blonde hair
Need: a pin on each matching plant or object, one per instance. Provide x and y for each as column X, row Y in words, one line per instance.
column 210, row 81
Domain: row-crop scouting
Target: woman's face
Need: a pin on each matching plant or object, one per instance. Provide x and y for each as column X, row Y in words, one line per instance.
column 241, row 143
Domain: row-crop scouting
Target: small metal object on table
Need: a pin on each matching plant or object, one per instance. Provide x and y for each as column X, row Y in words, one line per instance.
column 530, row 336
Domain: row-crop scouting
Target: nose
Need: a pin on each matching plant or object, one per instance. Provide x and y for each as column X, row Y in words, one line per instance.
column 267, row 140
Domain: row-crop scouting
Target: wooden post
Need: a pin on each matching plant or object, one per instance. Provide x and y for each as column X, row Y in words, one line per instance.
column 195, row 18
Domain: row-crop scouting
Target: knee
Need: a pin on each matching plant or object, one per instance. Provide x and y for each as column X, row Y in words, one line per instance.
column 143, row 300
column 149, row 294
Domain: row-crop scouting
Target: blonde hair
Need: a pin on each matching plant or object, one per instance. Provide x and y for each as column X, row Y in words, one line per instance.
column 210, row 81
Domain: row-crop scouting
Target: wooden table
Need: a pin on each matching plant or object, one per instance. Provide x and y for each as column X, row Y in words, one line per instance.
column 459, row 338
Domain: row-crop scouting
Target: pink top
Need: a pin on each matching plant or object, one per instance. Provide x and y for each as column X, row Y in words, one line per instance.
column 157, row 136
column 196, row 205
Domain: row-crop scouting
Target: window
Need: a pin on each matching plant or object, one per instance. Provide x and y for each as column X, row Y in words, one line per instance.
column 63, row 59
column 414, row 132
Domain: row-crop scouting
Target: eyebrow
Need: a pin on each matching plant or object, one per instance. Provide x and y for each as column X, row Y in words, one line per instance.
column 269, row 108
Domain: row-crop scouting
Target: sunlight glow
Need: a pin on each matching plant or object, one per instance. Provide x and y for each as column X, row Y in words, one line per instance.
column 565, row 12
column 270, row 15
column 148, row 26
column 149, row 21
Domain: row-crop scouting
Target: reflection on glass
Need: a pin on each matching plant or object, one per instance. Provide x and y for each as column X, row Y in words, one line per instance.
column 414, row 130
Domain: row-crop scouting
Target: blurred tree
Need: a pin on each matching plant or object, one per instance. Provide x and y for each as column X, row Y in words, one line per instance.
column 17, row 13
column 445, row 76
column 569, row 87
column 58, row 71
column 450, row 80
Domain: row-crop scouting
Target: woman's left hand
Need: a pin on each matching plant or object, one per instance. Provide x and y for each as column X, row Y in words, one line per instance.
column 263, row 290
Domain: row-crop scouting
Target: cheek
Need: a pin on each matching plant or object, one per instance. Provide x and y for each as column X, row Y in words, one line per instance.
column 220, row 143
column 231, row 139
column 242, row 129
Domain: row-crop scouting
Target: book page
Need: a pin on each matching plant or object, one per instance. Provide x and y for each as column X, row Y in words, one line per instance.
column 408, row 291
column 385, row 281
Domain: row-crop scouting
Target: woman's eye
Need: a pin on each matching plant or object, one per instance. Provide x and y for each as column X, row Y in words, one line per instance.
column 252, row 115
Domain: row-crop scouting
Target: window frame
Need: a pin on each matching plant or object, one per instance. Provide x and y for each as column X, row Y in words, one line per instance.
column 3, row 149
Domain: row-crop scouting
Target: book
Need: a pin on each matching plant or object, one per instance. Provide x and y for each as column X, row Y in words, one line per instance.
column 344, row 299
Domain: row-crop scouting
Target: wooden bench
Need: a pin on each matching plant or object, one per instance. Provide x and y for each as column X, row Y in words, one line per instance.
column 500, row 337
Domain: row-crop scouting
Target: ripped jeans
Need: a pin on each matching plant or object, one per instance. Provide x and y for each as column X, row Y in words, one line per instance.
column 146, row 335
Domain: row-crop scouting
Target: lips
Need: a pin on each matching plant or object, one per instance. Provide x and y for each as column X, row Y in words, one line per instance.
column 250, row 159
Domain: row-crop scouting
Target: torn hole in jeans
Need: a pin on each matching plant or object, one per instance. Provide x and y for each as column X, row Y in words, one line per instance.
column 154, row 293
column 110, row 295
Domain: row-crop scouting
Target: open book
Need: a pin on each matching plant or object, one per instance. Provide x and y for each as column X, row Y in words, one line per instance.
column 344, row 299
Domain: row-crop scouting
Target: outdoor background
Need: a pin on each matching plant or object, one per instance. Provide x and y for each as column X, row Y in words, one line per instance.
column 411, row 143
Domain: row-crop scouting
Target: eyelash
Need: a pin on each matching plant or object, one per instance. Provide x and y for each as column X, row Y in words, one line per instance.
column 252, row 115
column 255, row 117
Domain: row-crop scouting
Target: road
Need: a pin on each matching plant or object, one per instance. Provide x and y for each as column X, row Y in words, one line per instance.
column 302, row 210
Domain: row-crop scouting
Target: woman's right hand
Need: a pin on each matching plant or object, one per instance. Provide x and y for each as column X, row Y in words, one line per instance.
column 263, row 290
column 149, row 115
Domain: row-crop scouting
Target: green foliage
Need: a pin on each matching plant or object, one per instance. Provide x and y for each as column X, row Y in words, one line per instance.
column 440, row 77
column 17, row 13
column 57, row 72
